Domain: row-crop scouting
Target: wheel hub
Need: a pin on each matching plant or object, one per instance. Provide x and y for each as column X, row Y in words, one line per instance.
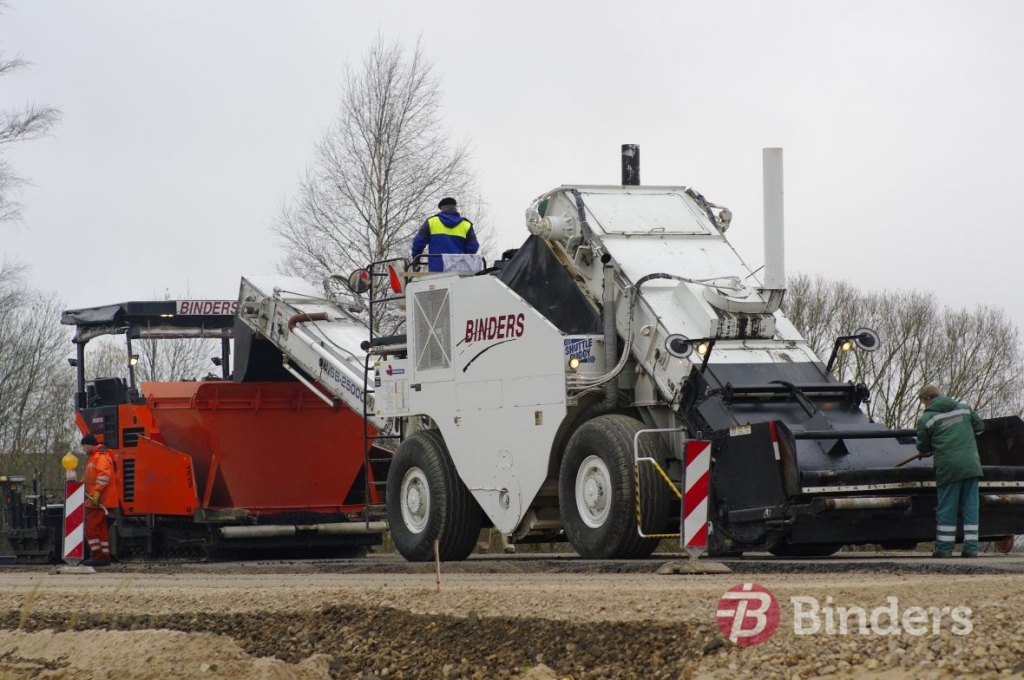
column 593, row 490
column 415, row 499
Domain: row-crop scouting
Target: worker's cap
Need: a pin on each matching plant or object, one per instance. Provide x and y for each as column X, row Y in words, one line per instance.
column 90, row 440
column 445, row 202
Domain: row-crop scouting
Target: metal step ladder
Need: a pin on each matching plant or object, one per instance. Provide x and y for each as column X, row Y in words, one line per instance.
column 380, row 445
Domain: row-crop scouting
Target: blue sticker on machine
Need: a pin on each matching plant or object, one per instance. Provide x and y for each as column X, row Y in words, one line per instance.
column 580, row 348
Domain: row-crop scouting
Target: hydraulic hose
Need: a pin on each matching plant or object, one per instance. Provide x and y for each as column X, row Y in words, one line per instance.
column 611, row 336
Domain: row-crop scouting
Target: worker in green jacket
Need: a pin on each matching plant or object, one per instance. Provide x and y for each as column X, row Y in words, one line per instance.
column 947, row 430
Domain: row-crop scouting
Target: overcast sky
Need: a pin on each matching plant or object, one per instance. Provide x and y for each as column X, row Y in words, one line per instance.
column 187, row 124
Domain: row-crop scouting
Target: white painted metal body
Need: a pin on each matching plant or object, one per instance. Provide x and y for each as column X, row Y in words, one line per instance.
column 713, row 293
column 490, row 371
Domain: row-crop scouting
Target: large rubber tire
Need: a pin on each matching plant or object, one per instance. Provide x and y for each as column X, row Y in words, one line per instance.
column 597, row 491
column 426, row 501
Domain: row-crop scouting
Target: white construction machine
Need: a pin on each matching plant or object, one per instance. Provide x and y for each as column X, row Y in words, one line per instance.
column 552, row 394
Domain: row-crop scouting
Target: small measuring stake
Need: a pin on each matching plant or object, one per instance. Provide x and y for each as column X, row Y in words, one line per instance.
column 694, row 537
column 437, row 565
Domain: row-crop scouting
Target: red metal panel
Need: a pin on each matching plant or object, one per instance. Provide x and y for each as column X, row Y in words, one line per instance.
column 278, row 448
column 164, row 482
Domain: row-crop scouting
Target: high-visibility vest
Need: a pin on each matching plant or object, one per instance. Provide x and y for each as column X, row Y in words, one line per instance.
column 99, row 476
column 460, row 230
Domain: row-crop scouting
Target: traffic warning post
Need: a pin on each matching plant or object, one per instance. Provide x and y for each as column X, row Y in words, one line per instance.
column 695, row 497
column 694, row 537
column 74, row 522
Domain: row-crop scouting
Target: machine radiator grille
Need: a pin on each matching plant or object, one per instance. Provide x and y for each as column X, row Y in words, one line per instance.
column 128, row 479
column 130, row 436
column 433, row 329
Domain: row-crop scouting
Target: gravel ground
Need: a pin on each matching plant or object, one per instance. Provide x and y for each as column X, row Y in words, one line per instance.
column 519, row 617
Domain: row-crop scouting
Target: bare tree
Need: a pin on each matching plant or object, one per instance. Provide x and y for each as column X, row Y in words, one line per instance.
column 12, row 292
column 983, row 358
column 174, row 359
column 36, row 385
column 164, row 360
column 378, row 170
column 106, row 357
column 973, row 355
column 31, row 122
column 898, row 369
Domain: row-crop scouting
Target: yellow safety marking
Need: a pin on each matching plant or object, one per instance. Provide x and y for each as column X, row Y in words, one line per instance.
column 664, row 475
column 636, row 495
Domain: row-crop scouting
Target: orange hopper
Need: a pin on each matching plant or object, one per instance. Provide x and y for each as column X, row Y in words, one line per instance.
column 264, row 447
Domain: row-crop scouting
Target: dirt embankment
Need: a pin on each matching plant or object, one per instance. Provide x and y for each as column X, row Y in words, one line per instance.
column 528, row 621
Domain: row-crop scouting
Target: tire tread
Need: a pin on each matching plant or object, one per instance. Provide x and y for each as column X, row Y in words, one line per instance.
column 613, row 433
column 455, row 515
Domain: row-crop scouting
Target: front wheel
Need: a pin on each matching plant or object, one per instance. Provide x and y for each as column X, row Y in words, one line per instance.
column 597, row 490
column 426, row 501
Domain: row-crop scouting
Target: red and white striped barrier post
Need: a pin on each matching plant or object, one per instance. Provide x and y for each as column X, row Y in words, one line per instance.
column 74, row 522
column 695, row 497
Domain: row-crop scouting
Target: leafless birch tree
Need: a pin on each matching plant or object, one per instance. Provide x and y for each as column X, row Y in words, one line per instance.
column 972, row 355
column 378, row 170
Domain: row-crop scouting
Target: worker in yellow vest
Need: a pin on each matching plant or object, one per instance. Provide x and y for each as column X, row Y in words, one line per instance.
column 447, row 232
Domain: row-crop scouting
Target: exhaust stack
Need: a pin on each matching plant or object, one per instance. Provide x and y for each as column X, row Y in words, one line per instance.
column 630, row 165
column 774, row 233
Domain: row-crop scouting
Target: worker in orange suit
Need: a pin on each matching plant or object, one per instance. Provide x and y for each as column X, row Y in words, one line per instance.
column 99, row 494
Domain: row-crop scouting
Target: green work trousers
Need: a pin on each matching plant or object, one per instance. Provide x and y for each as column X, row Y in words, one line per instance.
column 956, row 498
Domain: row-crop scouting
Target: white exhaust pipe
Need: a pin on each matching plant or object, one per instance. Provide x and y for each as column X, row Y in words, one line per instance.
column 286, row 530
column 774, row 233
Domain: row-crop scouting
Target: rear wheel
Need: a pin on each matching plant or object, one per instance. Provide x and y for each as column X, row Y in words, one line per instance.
column 426, row 501
column 597, row 490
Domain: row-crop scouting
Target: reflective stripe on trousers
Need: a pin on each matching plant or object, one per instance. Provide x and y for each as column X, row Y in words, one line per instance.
column 96, row 534
column 957, row 498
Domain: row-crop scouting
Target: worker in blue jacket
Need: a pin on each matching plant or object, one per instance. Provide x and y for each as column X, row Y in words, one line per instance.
column 447, row 232
column 947, row 430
